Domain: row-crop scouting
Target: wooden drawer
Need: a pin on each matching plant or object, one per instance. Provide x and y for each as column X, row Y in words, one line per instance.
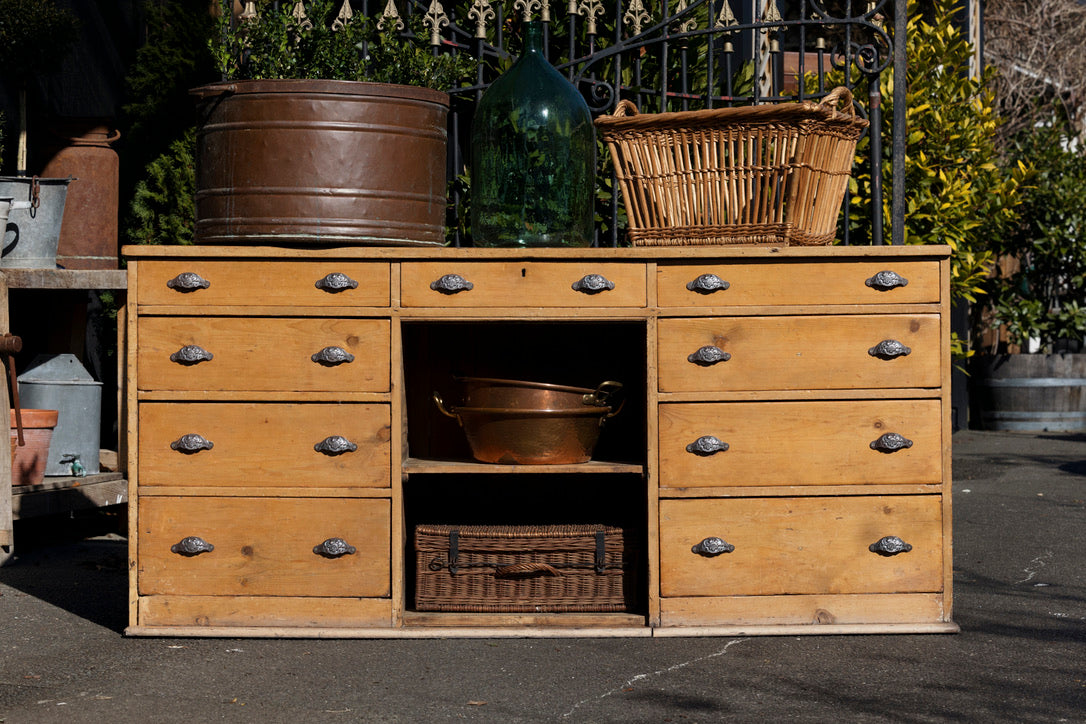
column 800, row 443
column 522, row 284
column 264, row 444
column 797, row 283
column 792, row 352
column 265, row 354
column 263, row 283
column 264, row 546
column 801, row 545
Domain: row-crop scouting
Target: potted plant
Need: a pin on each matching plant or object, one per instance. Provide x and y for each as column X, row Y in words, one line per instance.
column 1033, row 373
column 325, row 130
column 35, row 35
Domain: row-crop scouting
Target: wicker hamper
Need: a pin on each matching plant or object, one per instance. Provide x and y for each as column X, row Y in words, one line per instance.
column 505, row 569
column 770, row 174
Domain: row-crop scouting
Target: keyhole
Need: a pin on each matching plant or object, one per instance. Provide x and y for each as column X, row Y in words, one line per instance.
column 523, row 273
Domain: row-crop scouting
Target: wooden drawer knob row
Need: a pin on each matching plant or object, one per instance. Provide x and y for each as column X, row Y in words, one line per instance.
column 192, row 443
column 332, row 283
column 713, row 546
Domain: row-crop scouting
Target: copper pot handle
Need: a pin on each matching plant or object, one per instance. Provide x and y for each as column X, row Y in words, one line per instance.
column 441, row 406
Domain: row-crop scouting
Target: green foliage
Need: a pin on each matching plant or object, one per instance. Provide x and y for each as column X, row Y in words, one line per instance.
column 1039, row 288
column 163, row 209
column 957, row 190
column 276, row 45
column 35, row 35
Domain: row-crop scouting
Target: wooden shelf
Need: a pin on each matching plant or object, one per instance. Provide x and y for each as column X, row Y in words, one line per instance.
column 65, row 278
column 418, row 465
column 63, row 494
column 497, row 620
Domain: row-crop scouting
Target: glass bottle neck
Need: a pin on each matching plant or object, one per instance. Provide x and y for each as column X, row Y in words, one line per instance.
column 533, row 38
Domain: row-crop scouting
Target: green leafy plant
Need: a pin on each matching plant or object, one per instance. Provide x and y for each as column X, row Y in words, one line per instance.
column 1038, row 290
column 163, row 208
column 278, row 45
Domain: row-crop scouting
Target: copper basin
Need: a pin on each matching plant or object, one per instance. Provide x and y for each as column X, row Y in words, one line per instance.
column 519, row 395
column 529, row 436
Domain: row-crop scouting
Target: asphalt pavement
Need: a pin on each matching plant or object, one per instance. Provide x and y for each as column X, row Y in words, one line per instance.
column 1020, row 599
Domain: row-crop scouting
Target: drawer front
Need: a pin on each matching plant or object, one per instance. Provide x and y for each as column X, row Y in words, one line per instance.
column 264, row 546
column 201, row 283
column 797, row 283
column 787, row 353
column 800, row 443
column 263, row 354
column 264, row 444
column 800, row 545
column 518, row 284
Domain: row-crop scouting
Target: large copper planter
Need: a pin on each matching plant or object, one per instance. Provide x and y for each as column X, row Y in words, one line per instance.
column 320, row 162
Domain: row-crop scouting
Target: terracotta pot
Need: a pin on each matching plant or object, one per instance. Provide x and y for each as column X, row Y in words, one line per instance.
column 28, row 461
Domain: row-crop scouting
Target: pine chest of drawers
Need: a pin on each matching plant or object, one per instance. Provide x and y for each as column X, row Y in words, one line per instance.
column 782, row 458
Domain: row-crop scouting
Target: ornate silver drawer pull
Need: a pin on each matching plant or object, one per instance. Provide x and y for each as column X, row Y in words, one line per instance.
column 191, row 354
column 335, row 282
column 191, row 443
column 332, row 356
column 891, row 545
column 335, row 445
column 707, row 445
column 888, row 349
column 191, row 546
column 188, row 282
column 886, row 280
column 451, row 284
column 712, row 546
column 708, row 355
column 593, row 284
column 891, row 442
column 334, row 548
column 707, row 284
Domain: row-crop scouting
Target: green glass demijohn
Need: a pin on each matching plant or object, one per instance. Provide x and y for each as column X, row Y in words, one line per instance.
column 533, row 151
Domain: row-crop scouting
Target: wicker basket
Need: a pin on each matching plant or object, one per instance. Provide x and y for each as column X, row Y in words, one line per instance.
column 770, row 174
column 561, row 568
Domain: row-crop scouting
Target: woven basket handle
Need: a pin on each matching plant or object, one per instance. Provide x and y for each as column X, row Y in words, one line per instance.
column 840, row 94
column 624, row 108
column 526, row 570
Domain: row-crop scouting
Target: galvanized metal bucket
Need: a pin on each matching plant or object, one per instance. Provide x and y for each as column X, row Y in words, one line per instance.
column 32, row 226
column 59, row 382
column 320, row 162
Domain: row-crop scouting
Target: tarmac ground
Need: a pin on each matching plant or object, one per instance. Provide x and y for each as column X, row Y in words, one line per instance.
column 1019, row 597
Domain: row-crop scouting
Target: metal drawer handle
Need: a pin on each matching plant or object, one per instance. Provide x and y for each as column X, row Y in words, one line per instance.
column 335, row 282
column 188, row 282
column 593, row 284
column 891, row 442
column 891, row 545
column 708, row 355
column 335, row 445
column 451, row 284
column 888, row 349
column 707, row 284
column 707, row 445
column 191, row 444
column 334, row 548
column 886, row 280
column 191, row 546
column 191, row 354
column 712, row 546
column 332, row 356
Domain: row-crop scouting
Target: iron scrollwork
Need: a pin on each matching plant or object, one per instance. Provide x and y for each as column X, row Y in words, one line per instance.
column 886, row 280
column 335, row 282
column 451, row 284
column 889, row 349
column 891, row 442
column 334, row 548
column 708, row 355
column 188, row 282
column 712, row 546
column 707, row 284
column 891, row 545
column 191, row 546
column 593, row 284
column 191, row 354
